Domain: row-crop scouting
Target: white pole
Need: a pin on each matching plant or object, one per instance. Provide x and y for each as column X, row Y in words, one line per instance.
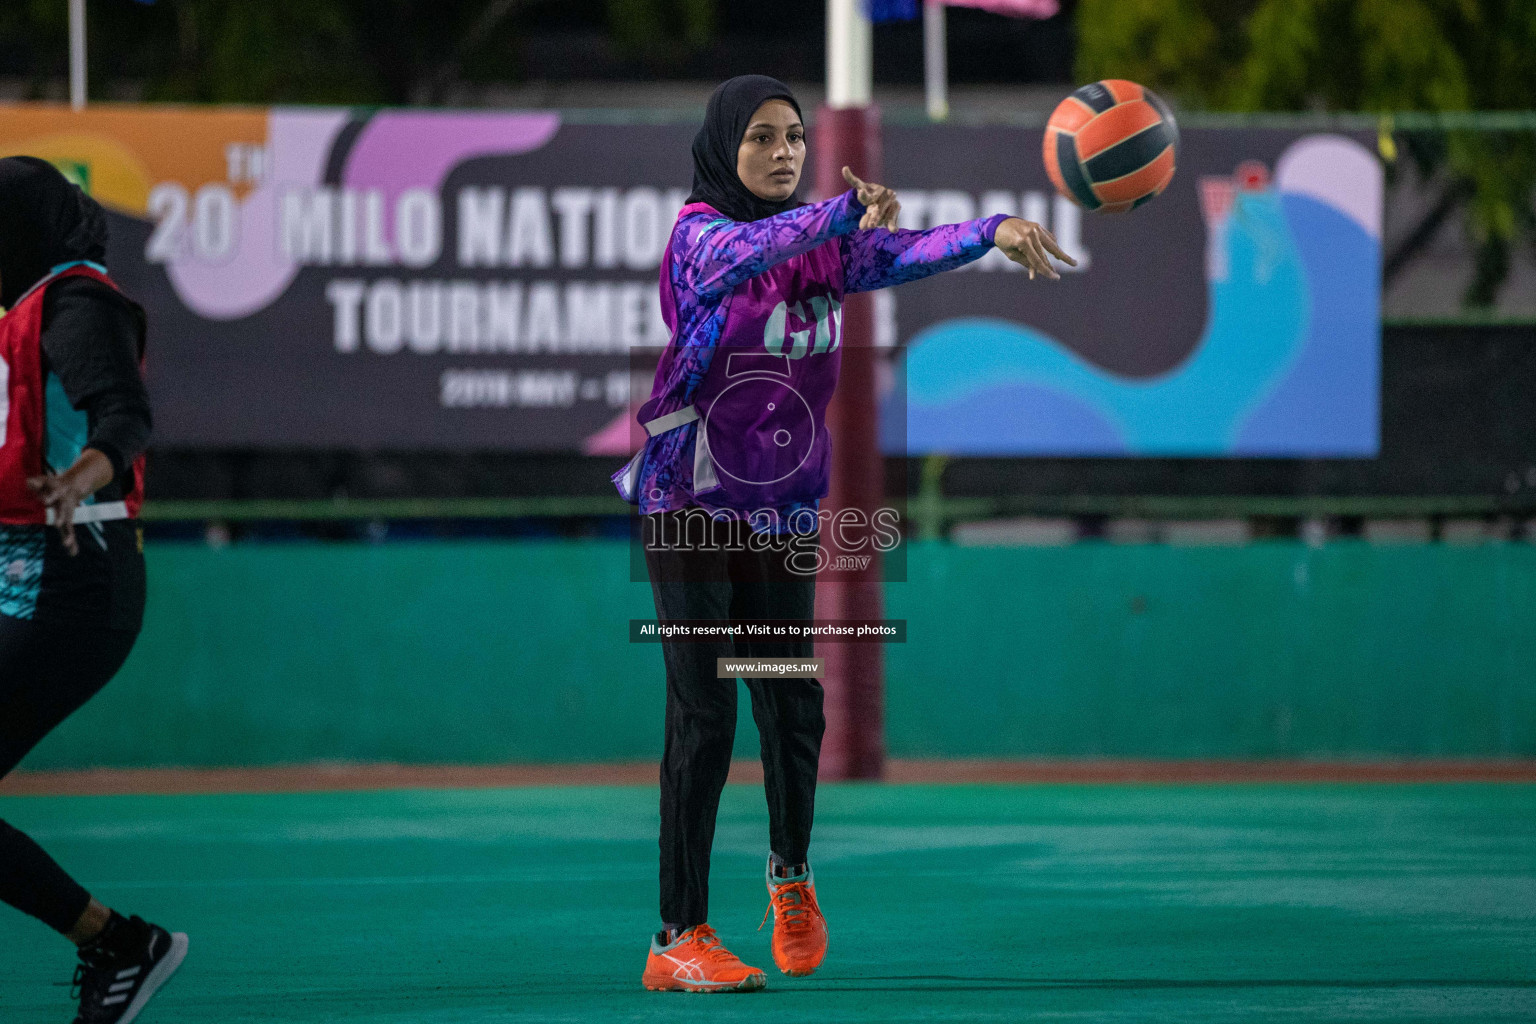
column 935, row 65
column 77, row 54
column 850, row 55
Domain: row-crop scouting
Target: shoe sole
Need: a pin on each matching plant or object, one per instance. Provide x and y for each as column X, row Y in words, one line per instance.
column 751, row 983
column 800, row 972
column 158, row 977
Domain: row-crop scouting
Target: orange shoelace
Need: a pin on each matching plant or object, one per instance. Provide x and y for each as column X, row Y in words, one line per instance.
column 793, row 901
column 710, row 945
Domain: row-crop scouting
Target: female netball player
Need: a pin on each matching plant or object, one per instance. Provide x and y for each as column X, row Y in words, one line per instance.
column 74, row 420
column 752, row 283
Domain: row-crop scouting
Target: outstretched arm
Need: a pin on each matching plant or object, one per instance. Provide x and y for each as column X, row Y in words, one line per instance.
column 715, row 254
column 880, row 259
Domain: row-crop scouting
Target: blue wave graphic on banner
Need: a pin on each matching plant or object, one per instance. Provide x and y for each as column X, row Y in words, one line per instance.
column 1288, row 363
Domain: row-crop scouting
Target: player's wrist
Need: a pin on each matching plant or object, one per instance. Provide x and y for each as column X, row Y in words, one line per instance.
column 993, row 224
column 1007, row 233
column 91, row 472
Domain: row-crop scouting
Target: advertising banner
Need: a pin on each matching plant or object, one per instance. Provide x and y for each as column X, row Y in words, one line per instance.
column 439, row 280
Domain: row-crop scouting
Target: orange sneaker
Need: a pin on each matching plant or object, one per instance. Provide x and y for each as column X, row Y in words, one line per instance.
column 799, row 929
column 696, row 962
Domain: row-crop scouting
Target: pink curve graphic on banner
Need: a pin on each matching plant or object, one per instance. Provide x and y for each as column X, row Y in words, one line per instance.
column 400, row 151
column 1339, row 172
column 615, row 439
column 298, row 144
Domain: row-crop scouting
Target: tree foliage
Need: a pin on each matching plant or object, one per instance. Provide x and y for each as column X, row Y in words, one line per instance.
column 1353, row 55
column 329, row 51
column 659, row 28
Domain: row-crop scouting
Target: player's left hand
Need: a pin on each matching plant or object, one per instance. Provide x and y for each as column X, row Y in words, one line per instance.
column 880, row 205
column 55, row 492
column 1031, row 246
column 63, row 492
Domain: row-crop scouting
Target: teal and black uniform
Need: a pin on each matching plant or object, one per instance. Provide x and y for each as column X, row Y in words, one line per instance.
column 67, row 623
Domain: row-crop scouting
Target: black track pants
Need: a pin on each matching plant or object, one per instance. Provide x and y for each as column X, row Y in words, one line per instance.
column 715, row 582
column 46, row 672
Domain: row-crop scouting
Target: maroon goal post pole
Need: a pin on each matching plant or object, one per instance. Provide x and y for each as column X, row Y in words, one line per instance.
column 847, row 133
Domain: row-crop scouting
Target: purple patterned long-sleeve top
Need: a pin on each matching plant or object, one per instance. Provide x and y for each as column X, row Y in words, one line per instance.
column 767, row 291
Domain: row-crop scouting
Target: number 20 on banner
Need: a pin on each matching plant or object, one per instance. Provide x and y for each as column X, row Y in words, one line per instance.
column 204, row 225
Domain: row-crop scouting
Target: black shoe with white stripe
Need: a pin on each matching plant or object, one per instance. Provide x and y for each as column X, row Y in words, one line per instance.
column 123, row 968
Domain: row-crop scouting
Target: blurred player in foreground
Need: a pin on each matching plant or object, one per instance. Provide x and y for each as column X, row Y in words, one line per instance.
column 752, row 285
column 74, row 421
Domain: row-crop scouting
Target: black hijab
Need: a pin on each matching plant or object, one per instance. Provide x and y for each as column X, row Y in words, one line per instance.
column 44, row 221
column 730, row 111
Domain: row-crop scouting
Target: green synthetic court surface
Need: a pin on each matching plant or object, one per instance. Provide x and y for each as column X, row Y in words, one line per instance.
column 1079, row 903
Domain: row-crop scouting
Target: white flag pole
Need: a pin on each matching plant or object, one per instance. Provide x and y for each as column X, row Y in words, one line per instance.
column 935, row 66
column 77, row 54
column 850, row 74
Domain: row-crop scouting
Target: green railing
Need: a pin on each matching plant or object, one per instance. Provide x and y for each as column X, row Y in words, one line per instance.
column 931, row 514
column 319, row 510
